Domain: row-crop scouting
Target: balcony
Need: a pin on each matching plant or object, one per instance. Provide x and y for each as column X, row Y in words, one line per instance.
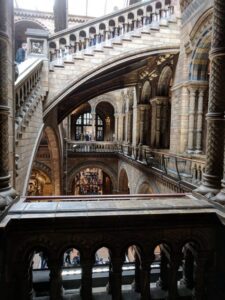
column 180, row 226
column 183, row 169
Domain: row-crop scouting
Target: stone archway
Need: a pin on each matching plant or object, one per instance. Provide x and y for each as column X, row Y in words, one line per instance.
column 53, row 146
column 123, row 182
column 90, row 164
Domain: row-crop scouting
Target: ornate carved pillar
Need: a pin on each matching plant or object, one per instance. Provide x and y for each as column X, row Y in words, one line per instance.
column 200, row 120
column 188, row 269
column 191, row 118
column 61, row 14
column 6, row 103
column 215, row 117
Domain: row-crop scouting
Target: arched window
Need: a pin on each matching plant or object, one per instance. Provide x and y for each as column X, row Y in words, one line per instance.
column 83, row 127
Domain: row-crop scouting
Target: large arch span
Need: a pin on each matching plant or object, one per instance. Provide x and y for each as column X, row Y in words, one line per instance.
column 117, row 74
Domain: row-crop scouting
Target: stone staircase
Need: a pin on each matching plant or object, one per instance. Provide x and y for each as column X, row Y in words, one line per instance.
column 69, row 64
column 29, row 94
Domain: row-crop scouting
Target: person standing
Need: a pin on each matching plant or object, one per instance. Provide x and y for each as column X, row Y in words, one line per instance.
column 21, row 53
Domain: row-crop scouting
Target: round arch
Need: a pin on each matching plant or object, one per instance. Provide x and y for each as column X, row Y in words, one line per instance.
column 91, row 164
column 109, row 98
column 146, row 92
column 123, row 182
column 61, row 99
column 200, row 58
column 53, row 146
column 165, row 81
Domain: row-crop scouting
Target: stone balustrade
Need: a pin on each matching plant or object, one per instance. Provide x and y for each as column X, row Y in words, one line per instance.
column 27, row 89
column 103, row 31
column 149, row 224
column 183, row 168
column 91, row 146
column 189, row 170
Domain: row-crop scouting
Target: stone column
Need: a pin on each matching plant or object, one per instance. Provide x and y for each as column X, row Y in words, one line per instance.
column 173, row 276
column 142, row 120
column 6, row 103
column 93, row 128
column 136, row 116
column 69, row 127
column 188, row 269
column 165, row 128
column 116, row 126
column 191, row 117
column 56, row 289
column 86, row 280
column 163, row 279
column 158, row 123
column 116, row 279
column 153, row 123
column 61, row 14
column 137, row 280
column 199, row 121
column 129, row 128
column 215, row 117
column 126, row 126
column 145, row 279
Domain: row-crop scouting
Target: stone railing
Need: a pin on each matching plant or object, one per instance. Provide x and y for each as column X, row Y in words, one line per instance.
column 146, row 226
column 182, row 168
column 91, row 146
column 189, row 170
column 102, row 32
column 27, row 90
